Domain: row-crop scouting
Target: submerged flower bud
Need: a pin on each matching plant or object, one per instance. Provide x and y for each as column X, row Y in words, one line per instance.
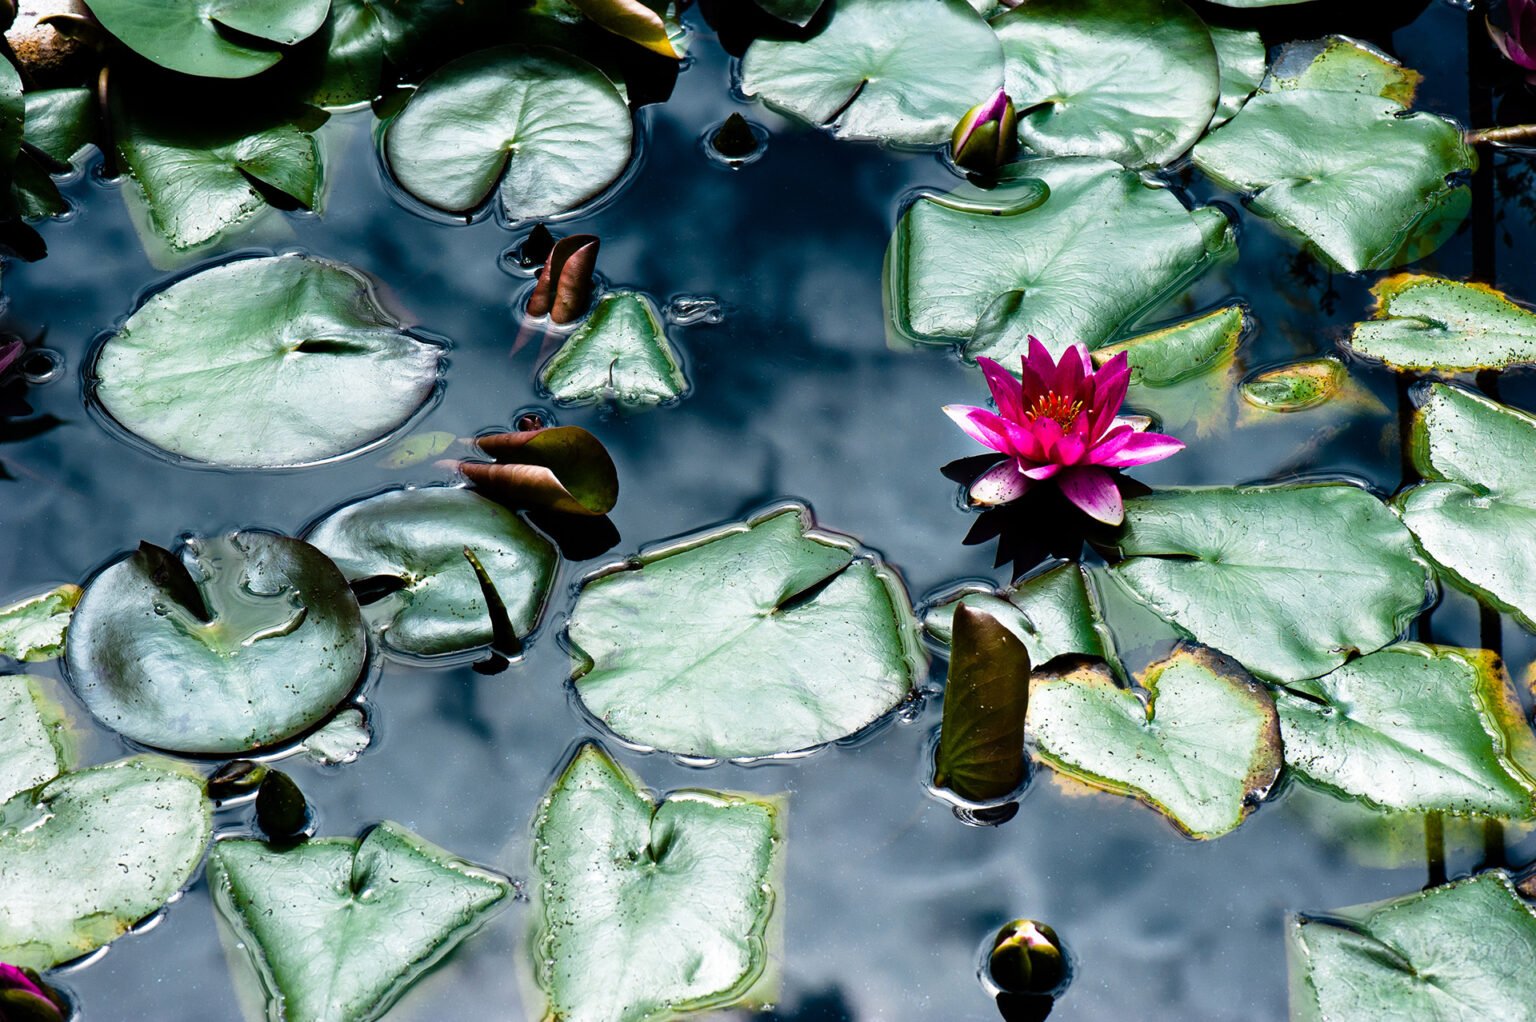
column 25, row 998
column 987, row 137
column 1518, row 41
column 1027, row 959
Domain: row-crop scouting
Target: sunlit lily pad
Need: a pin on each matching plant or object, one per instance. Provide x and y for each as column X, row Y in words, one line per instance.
column 1341, row 64
column 1242, row 60
column 1296, row 386
column 89, row 854
column 217, row 369
column 1430, row 323
column 1185, row 373
column 1053, row 614
column 648, row 909
column 241, row 641
column 33, row 629
column 620, row 353
column 1461, row 952
column 1415, row 728
column 899, row 72
column 751, row 640
column 1289, row 580
column 1135, row 81
column 337, row 928
column 35, row 741
column 548, row 126
column 415, row 541
column 212, row 38
column 1201, row 746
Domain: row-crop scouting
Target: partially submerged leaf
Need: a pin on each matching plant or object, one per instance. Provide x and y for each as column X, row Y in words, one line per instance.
column 35, row 741
column 414, row 450
column 981, row 740
column 1297, row 386
column 1341, row 64
column 562, row 468
column 1426, row 323
column 212, row 38
column 632, row 20
column 1053, row 614
column 621, row 353
column 33, row 629
column 341, row 740
column 1185, row 373
column 564, row 288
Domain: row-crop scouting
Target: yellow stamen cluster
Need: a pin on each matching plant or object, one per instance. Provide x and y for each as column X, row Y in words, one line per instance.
column 1055, row 406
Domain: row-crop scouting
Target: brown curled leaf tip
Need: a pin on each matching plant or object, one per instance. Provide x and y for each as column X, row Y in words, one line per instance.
column 564, row 287
column 562, row 468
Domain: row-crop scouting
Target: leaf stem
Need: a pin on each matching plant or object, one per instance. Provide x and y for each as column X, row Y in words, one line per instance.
column 1434, row 848
column 1505, row 133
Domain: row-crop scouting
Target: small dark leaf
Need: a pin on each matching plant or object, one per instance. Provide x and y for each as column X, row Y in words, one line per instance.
column 563, row 468
column 504, row 638
column 235, row 778
column 981, row 741
column 579, row 537
column 536, row 248
column 734, row 139
column 281, row 810
column 169, row 575
column 564, row 288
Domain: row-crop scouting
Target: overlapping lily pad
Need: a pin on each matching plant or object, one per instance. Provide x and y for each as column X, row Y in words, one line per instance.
column 212, row 38
column 1341, row 64
column 1052, row 613
column 265, row 363
column 1431, row 323
column 647, row 910
column 35, row 741
column 1185, row 373
column 1296, row 386
column 33, row 629
column 752, row 640
column 367, row 42
column 60, row 124
column 1242, row 61
column 620, row 353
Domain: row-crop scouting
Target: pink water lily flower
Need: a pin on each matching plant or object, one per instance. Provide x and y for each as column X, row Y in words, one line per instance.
column 1060, row 422
column 1518, row 42
column 20, row 996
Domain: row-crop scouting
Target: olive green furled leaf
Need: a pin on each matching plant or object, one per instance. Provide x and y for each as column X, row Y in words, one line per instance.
column 796, row 12
column 368, row 43
column 1475, row 515
column 752, row 640
column 1240, row 56
column 1202, row 746
column 1341, row 64
column 13, row 113
column 981, row 740
column 337, row 928
column 212, row 38
column 1052, row 613
column 620, row 353
column 35, row 741
column 1185, row 373
column 33, row 629
column 896, row 70
column 1289, row 580
column 1461, row 952
column 1415, row 728
column 633, row 20
column 238, row 642
column 416, row 539
column 265, row 363
column 1428, row 323
column 548, row 126
column 1077, row 252
column 88, row 855
column 563, row 468
column 1135, row 81
column 648, row 909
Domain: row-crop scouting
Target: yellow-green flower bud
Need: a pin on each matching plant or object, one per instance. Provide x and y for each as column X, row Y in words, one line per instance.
column 987, row 137
column 1027, row 959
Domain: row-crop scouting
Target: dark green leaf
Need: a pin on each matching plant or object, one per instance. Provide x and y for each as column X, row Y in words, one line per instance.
column 981, row 741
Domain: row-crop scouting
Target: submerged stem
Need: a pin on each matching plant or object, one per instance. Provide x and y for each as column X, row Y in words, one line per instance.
column 1507, row 133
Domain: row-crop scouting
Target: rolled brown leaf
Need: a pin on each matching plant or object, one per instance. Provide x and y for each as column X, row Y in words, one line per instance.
column 564, row 287
column 563, row 468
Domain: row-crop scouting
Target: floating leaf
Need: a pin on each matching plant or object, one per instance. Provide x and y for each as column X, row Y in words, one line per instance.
column 562, row 468
column 414, row 450
column 33, row 629
column 1459, row 952
column 621, row 353
column 415, row 540
column 1415, row 728
column 367, row 43
column 217, row 370
column 1184, row 373
column 1242, row 60
column 899, row 72
column 645, row 909
column 1052, row 613
column 60, row 124
column 1202, row 746
column 1429, row 323
column 239, row 642
column 212, row 38
column 35, row 741
column 632, row 20
column 337, row 928
column 1135, row 81
column 1289, row 580
column 751, row 640
column 1296, row 386
column 548, row 126
column 564, row 288
column 1341, row 64
column 341, row 740
column 981, row 740
column 89, row 854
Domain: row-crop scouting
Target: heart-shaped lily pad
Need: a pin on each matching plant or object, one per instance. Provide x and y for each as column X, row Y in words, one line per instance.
column 1297, row 386
column 212, row 38
column 899, row 72
column 262, row 363
column 1289, row 580
column 1185, row 373
column 35, row 741
column 414, row 542
column 241, row 642
column 1202, row 746
column 1053, row 613
column 1242, row 61
column 33, row 629
column 647, row 910
column 621, row 353
column 87, row 855
column 1430, row 323
column 751, row 640
column 337, row 928
column 550, row 127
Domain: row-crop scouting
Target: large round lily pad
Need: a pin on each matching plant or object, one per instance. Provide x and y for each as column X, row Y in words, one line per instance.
column 241, row 642
column 212, row 38
column 264, row 363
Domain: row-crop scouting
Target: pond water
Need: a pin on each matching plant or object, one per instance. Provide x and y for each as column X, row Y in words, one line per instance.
column 795, row 394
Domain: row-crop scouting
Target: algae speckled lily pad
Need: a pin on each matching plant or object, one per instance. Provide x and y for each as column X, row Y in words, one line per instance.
column 1202, row 746
column 87, row 855
column 212, row 38
column 337, row 928
column 1430, row 323
column 417, row 538
column 897, row 70
column 1341, row 64
column 752, row 640
column 645, row 909
column 33, row 629
column 265, row 363
column 241, row 642
column 1053, row 613
column 621, row 351
column 1289, row 580
column 35, row 741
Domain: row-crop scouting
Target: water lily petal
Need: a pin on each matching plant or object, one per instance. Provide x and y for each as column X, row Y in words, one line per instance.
column 1006, row 391
column 1039, row 472
column 1048, row 433
column 998, row 485
column 1110, row 443
column 1071, row 448
column 1071, row 372
column 1138, row 449
column 985, row 427
column 1040, row 363
column 1094, row 491
column 1110, row 384
column 1026, row 442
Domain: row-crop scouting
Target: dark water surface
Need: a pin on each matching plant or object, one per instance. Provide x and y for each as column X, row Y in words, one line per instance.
column 795, row 394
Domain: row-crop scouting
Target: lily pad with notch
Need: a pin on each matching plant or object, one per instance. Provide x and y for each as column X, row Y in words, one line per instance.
column 1185, row 373
column 621, row 353
column 1431, row 324
column 1053, row 613
column 1302, row 386
column 211, row 38
column 1243, row 61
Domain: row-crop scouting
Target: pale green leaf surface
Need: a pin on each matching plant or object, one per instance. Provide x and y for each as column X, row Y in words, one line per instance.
column 195, row 37
column 619, row 352
column 1429, row 323
column 35, row 741
column 33, row 629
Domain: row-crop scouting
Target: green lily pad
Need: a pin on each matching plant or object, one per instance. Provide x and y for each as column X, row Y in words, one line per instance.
column 1341, row 64
column 341, row 740
column 1242, row 60
column 550, row 127
column 60, row 124
column 796, row 12
column 417, row 539
column 241, row 642
column 1415, row 728
column 212, row 38
column 621, row 352
column 1077, row 252
column 648, row 909
column 215, row 370
column 1296, row 386
column 1202, row 746
column 1185, row 373
column 35, row 741
column 1052, row 613
column 366, row 42
column 1428, row 323
column 33, row 629
column 980, row 756
column 1475, row 516
column 88, row 855
column 1135, row 81
column 337, row 928
column 900, row 73
column 751, row 640
column 1289, row 580
column 1461, row 952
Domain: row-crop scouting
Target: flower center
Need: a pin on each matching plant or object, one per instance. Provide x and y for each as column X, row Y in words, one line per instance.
column 1055, row 406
